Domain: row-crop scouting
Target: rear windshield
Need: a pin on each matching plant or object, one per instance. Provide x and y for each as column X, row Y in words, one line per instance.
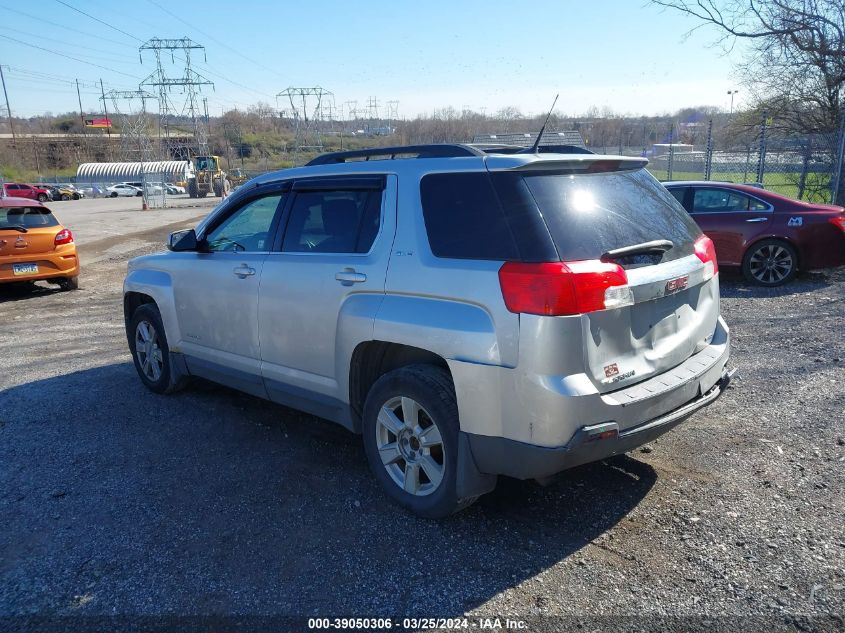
column 26, row 217
column 590, row 214
column 537, row 216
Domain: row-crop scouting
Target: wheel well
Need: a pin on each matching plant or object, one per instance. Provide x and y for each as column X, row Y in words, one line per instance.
column 373, row 359
column 132, row 301
column 779, row 238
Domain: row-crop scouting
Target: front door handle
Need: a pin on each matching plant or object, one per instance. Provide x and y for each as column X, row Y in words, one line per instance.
column 243, row 271
column 757, row 220
column 349, row 276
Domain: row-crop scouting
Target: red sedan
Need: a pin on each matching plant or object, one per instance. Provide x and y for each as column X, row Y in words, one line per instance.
column 20, row 190
column 766, row 235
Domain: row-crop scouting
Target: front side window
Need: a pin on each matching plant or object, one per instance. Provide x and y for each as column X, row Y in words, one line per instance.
column 723, row 201
column 334, row 221
column 247, row 229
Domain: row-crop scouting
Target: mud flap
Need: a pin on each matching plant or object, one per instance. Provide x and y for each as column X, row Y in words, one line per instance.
column 470, row 482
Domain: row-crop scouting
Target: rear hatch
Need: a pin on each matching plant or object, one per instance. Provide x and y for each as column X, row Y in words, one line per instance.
column 655, row 300
column 27, row 231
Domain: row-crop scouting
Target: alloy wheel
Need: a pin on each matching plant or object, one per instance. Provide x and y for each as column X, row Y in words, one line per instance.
column 410, row 446
column 148, row 351
column 771, row 264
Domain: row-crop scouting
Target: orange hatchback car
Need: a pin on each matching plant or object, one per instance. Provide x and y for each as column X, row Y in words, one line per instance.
column 34, row 246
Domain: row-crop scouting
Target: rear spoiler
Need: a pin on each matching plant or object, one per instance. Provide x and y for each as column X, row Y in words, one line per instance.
column 581, row 164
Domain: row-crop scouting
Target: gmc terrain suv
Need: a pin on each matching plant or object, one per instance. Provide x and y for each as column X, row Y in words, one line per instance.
column 470, row 311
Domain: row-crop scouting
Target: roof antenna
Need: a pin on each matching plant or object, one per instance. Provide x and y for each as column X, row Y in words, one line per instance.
column 536, row 148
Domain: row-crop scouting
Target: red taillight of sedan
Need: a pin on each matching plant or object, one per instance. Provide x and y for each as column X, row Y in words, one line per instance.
column 840, row 222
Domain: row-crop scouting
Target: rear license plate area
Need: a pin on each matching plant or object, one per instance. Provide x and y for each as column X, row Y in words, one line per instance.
column 24, row 269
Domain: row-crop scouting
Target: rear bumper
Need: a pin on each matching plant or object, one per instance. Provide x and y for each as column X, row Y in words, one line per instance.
column 502, row 456
column 62, row 263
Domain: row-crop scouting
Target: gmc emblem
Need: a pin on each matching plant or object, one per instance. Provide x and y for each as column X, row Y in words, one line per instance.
column 675, row 285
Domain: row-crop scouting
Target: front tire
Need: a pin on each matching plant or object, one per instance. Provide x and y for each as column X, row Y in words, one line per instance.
column 410, row 426
column 150, row 352
column 42, row 197
column 113, row 194
column 770, row 263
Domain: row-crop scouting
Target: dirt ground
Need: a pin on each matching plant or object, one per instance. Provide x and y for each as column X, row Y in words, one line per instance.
column 117, row 501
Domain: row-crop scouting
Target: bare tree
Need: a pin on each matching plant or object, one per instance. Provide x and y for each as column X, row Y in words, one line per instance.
column 795, row 69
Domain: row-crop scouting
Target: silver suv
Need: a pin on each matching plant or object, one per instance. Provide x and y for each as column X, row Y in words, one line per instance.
column 470, row 311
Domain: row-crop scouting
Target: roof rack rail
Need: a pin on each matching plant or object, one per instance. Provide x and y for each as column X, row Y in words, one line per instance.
column 441, row 150
column 542, row 149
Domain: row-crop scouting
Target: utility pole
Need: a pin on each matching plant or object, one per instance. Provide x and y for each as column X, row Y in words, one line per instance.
column 82, row 119
column 8, row 109
column 106, row 110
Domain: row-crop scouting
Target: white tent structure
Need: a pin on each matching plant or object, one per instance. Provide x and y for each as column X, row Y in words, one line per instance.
column 108, row 173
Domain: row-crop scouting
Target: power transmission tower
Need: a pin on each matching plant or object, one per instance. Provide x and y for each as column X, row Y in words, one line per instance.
column 189, row 85
column 307, row 105
column 372, row 115
column 392, row 115
column 130, row 109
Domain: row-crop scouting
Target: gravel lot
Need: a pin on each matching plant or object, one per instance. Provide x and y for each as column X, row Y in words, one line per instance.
column 114, row 500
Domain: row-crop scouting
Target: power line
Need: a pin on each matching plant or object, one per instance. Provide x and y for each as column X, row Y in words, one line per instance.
column 72, row 8
column 214, row 39
column 74, row 45
column 42, row 20
column 82, row 61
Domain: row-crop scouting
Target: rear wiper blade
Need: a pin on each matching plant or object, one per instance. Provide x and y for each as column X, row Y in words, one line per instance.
column 655, row 246
column 14, row 227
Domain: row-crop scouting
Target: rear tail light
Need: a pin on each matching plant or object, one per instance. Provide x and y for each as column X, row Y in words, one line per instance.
column 839, row 221
column 706, row 252
column 563, row 288
column 63, row 237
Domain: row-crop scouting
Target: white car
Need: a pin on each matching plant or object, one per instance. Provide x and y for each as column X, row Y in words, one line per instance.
column 123, row 190
column 174, row 189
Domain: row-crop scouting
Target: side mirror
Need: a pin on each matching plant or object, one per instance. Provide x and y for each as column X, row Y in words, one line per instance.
column 183, row 241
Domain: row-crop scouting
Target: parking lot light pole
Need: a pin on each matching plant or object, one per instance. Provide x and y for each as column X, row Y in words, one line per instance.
column 732, row 93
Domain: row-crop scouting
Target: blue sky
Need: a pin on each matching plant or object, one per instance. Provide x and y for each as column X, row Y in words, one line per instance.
column 626, row 55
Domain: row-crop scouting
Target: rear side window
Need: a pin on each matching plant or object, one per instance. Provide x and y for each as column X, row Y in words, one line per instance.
column 590, row 214
column 333, row 221
column 679, row 193
column 463, row 217
column 26, row 217
column 724, row 201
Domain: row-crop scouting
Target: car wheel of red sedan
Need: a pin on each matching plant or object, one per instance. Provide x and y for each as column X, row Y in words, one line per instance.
column 770, row 263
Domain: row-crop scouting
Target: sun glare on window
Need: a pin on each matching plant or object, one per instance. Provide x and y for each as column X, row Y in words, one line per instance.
column 583, row 201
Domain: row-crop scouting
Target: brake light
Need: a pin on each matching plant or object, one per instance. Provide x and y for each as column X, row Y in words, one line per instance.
column 706, row 252
column 63, row 237
column 562, row 288
column 839, row 222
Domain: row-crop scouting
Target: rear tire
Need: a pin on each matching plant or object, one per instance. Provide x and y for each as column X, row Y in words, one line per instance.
column 415, row 460
column 192, row 188
column 770, row 263
column 69, row 283
column 150, row 352
column 65, row 196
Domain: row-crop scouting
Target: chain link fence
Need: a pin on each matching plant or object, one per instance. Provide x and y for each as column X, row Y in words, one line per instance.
column 803, row 166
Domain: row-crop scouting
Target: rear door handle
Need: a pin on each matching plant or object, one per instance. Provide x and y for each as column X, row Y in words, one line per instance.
column 757, row 220
column 243, row 271
column 349, row 277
